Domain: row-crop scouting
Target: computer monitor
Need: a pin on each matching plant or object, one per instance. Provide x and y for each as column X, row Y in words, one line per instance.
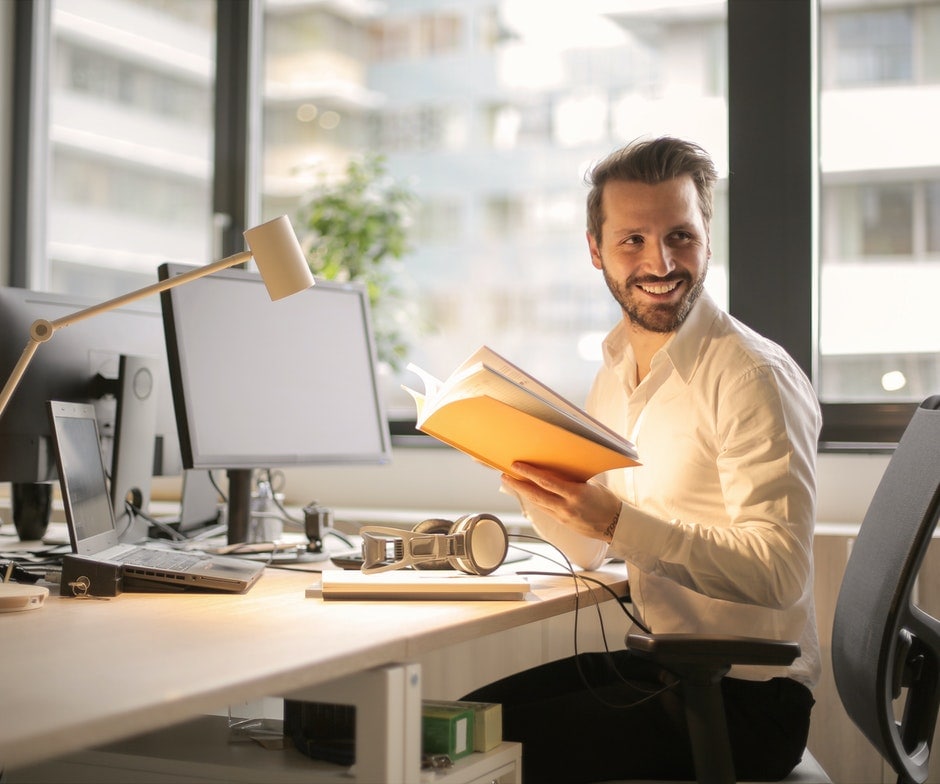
column 260, row 384
column 83, row 363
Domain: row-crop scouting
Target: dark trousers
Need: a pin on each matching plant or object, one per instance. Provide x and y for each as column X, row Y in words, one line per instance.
column 599, row 716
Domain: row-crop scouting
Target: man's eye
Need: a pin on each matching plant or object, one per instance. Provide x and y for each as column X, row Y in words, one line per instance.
column 634, row 239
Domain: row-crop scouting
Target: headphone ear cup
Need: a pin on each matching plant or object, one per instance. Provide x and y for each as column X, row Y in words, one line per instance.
column 486, row 543
column 435, row 525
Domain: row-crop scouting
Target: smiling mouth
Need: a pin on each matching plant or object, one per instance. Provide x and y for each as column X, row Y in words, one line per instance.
column 664, row 287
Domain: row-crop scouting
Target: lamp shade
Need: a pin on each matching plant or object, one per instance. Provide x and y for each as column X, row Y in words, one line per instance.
column 280, row 259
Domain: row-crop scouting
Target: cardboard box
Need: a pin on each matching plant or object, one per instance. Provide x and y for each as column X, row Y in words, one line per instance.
column 446, row 729
column 487, row 721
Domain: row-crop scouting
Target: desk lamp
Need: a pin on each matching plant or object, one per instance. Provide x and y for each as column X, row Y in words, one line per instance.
column 273, row 245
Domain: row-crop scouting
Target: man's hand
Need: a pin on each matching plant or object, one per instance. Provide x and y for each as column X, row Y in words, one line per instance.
column 589, row 509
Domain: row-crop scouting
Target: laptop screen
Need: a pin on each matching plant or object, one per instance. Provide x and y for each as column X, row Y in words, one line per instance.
column 82, row 477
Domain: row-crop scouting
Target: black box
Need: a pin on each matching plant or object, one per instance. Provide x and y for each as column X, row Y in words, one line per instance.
column 87, row 577
column 322, row 730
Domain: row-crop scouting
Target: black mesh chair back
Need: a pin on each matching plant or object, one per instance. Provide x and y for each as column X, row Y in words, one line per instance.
column 885, row 649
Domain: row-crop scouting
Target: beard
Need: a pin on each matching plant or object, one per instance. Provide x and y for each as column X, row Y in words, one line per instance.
column 650, row 316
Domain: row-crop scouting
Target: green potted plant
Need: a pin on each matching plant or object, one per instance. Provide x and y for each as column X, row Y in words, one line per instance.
column 356, row 229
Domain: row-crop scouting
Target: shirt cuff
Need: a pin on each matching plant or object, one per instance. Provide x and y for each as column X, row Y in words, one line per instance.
column 640, row 538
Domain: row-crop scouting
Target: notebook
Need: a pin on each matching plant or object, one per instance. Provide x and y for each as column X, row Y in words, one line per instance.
column 430, row 585
column 91, row 524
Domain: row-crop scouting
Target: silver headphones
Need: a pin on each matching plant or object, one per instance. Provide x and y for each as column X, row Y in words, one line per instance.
column 474, row 543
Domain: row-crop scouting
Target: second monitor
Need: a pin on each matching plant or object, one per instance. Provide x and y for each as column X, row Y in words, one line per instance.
column 262, row 384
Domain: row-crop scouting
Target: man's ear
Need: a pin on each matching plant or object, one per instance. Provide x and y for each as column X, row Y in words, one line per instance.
column 595, row 252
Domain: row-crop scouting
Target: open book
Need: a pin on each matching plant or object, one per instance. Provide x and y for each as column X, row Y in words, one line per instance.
column 498, row 414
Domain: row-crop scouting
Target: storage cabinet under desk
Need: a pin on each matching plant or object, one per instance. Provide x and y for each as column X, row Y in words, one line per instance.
column 201, row 750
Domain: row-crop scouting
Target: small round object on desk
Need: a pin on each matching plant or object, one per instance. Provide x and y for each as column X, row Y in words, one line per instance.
column 16, row 596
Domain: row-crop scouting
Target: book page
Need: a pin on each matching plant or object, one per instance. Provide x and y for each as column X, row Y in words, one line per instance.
column 431, row 384
column 487, row 373
column 506, row 368
column 419, row 401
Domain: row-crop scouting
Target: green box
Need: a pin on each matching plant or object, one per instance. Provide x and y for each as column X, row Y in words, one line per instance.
column 446, row 730
column 487, row 721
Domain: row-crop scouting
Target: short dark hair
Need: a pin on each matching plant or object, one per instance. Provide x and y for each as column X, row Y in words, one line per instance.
column 651, row 161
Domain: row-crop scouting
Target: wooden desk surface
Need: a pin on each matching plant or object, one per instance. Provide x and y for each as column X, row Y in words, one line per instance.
column 80, row 672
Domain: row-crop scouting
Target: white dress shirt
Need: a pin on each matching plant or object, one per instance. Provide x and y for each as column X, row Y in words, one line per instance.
column 717, row 524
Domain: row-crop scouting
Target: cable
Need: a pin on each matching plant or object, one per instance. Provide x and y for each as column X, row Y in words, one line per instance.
column 290, row 519
column 218, row 489
column 132, row 511
column 287, row 516
column 338, row 535
column 649, row 693
column 129, row 514
column 603, row 585
column 570, row 571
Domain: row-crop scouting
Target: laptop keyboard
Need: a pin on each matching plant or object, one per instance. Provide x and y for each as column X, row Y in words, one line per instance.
column 161, row 559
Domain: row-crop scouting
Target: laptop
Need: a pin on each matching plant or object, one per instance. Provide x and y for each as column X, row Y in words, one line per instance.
column 91, row 524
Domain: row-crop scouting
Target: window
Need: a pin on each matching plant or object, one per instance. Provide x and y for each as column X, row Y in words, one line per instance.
column 492, row 112
column 129, row 143
column 873, row 47
column 869, row 221
column 879, row 261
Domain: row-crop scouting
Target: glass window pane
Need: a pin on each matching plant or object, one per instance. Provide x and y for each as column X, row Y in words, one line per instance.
column 880, row 216
column 873, row 46
column 490, row 114
column 872, row 220
column 130, row 142
column 933, row 218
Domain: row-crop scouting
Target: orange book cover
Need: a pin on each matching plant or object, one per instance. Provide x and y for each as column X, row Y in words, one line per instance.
column 496, row 413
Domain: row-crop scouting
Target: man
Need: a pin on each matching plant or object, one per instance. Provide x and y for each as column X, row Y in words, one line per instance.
column 715, row 527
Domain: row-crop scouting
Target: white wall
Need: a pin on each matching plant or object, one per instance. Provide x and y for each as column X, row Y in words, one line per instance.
column 439, row 479
column 845, row 485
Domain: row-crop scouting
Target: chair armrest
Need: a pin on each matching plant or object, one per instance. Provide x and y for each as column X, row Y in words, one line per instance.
column 706, row 650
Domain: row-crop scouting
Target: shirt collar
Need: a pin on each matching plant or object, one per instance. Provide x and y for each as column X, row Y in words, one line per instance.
column 682, row 350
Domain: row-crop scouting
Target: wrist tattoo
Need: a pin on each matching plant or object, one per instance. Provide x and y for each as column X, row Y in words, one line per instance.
column 609, row 531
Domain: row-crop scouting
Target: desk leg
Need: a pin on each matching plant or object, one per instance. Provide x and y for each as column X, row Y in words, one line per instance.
column 388, row 719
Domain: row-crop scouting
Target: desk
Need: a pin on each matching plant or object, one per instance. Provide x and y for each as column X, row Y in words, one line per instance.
column 79, row 673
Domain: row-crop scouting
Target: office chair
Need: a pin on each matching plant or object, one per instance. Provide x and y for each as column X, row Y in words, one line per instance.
column 883, row 644
column 884, row 647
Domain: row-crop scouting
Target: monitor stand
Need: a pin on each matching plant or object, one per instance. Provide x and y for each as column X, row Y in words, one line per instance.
column 135, row 431
column 239, row 504
column 239, row 516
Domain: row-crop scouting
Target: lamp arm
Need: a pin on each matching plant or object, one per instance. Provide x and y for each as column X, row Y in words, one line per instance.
column 155, row 288
column 18, row 371
column 43, row 330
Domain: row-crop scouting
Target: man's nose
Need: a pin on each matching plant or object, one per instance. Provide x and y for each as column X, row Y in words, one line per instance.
column 659, row 259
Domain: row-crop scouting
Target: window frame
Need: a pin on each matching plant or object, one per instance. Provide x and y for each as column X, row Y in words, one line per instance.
column 774, row 204
column 773, row 199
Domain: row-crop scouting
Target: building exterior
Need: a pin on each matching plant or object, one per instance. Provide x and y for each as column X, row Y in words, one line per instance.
column 491, row 111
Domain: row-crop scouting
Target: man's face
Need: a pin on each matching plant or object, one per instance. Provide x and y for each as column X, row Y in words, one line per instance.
column 654, row 251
